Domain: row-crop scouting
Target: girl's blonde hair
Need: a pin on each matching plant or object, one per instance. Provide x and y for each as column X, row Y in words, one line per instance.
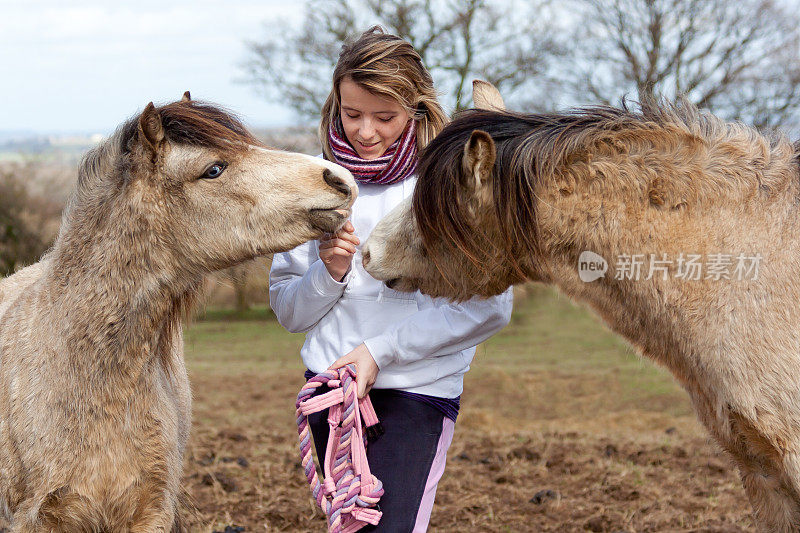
column 387, row 66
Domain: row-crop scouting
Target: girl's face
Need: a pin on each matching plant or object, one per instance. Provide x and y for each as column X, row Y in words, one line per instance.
column 371, row 123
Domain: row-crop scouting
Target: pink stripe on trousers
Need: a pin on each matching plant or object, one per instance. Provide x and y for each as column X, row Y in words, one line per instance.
column 437, row 469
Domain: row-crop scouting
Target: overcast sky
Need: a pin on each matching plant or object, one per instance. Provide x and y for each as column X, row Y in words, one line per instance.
column 87, row 65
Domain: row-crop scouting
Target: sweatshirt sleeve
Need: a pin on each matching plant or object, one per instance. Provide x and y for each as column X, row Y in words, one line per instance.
column 301, row 291
column 446, row 329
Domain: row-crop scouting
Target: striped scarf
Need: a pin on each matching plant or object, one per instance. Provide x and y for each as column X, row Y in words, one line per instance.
column 396, row 164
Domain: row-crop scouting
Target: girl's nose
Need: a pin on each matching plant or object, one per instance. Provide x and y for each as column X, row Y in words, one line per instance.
column 367, row 130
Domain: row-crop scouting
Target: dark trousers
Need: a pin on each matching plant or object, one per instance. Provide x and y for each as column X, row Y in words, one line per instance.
column 401, row 458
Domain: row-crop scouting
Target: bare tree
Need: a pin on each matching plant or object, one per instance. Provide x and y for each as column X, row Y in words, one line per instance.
column 237, row 276
column 501, row 41
column 740, row 59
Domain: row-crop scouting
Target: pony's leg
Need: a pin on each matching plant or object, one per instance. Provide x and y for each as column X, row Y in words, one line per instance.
column 766, row 470
column 791, row 468
column 20, row 527
column 57, row 511
column 156, row 521
column 775, row 505
column 156, row 508
column 13, row 486
column 68, row 514
column 769, row 476
column 26, row 521
column 26, row 518
column 34, row 527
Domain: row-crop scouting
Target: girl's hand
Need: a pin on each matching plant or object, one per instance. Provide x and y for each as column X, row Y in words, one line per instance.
column 336, row 251
column 366, row 368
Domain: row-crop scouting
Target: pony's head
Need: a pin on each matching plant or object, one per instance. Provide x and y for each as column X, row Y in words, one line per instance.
column 189, row 179
column 505, row 197
column 441, row 241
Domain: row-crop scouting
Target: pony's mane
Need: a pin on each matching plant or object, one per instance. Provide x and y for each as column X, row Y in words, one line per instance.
column 531, row 148
column 191, row 123
column 197, row 124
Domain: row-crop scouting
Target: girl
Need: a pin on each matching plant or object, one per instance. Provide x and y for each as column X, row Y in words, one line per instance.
column 410, row 349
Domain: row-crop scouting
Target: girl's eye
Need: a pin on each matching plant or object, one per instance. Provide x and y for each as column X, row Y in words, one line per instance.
column 214, row 171
column 386, row 119
column 351, row 116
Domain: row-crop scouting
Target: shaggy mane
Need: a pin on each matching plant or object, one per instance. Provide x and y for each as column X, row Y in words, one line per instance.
column 197, row 124
column 531, row 148
column 193, row 123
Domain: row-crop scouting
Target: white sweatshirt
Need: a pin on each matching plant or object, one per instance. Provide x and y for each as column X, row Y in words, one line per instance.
column 420, row 344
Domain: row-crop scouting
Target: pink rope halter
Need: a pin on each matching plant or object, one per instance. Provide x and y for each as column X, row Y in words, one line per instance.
column 349, row 493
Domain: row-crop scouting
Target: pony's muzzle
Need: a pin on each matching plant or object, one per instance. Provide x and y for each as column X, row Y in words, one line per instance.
column 338, row 183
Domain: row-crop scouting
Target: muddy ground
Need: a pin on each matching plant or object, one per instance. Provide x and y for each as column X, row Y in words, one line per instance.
column 562, row 428
column 497, row 479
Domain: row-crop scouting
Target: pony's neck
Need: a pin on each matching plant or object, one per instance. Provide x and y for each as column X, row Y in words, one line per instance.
column 680, row 317
column 736, row 194
column 639, row 311
column 112, row 289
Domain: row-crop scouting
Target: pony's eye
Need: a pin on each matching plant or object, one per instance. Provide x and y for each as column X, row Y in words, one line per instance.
column 214, row 171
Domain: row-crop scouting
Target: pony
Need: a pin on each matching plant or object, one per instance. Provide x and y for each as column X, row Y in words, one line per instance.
column 621, row 209
column 95, row 405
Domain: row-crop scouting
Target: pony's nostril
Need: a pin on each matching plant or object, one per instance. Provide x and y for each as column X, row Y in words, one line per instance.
column 336, row 182
column 365, row 258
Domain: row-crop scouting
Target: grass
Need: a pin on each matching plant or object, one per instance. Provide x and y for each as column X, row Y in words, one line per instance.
column 555, row 361
column 563, row 364
column 229, row 343
column 554, row 401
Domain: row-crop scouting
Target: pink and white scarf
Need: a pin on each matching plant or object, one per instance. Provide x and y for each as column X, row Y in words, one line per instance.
column 396, row 164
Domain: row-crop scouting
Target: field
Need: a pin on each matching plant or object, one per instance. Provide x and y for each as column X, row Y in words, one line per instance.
column 562, row 428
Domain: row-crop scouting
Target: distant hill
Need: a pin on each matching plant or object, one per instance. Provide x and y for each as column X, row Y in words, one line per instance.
column 69, row 148
column 66, row 148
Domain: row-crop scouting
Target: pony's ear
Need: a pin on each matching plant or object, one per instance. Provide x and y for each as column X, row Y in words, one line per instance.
column 486, row 96
column 151, row 132
column 479, row 156
column 186, row 97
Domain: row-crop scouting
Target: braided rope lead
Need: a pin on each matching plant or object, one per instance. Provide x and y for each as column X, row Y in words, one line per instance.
column 349, row 493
